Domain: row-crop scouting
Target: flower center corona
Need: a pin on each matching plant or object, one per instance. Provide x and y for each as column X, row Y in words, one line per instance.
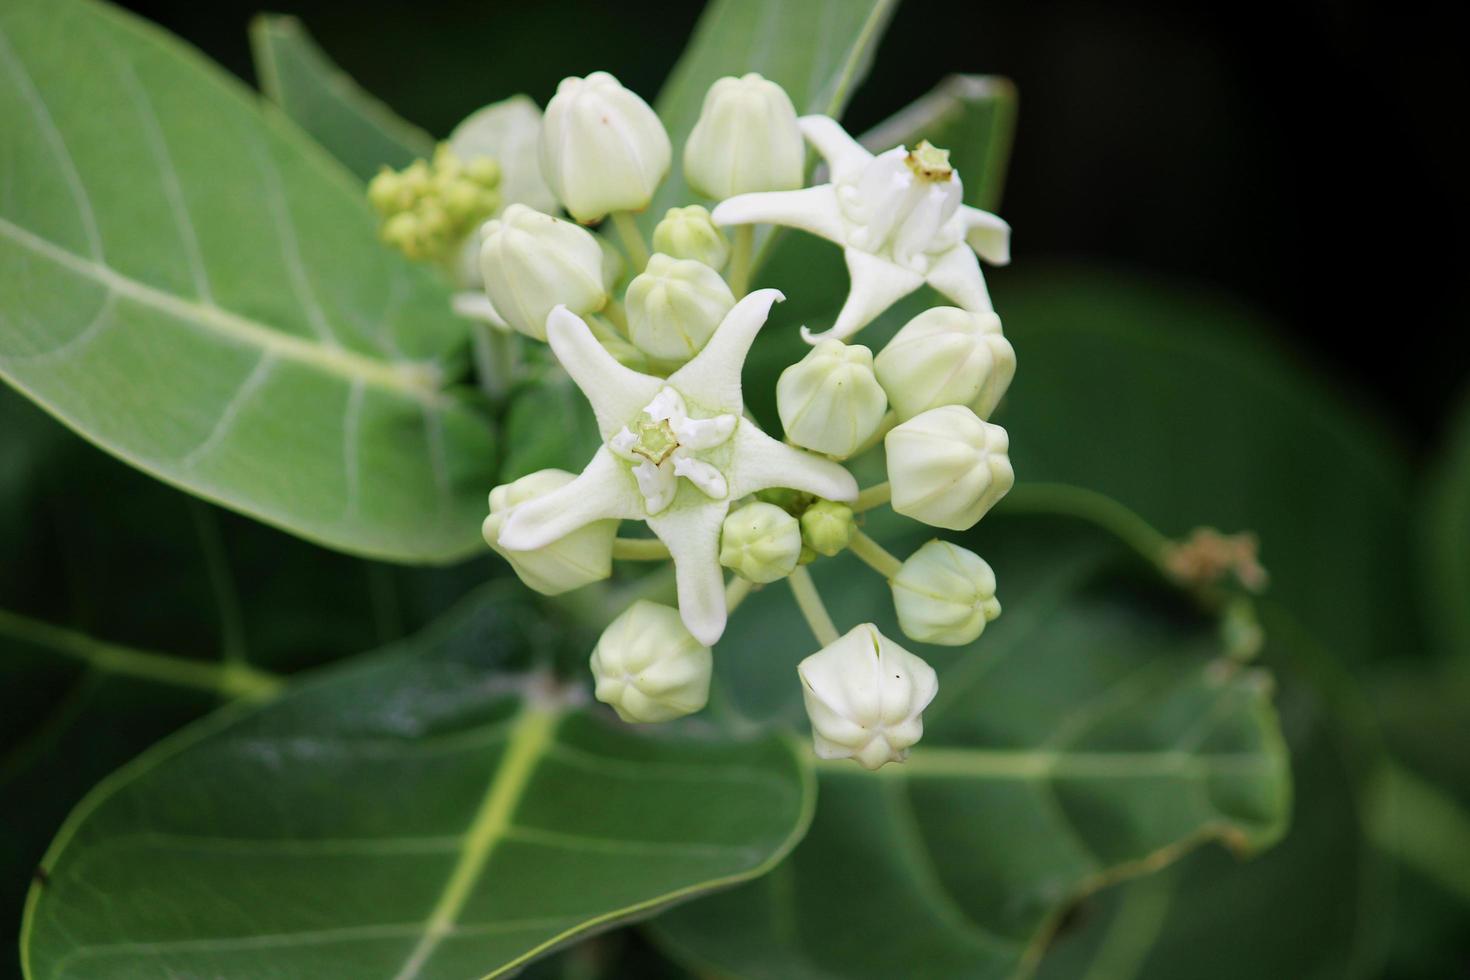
column 656, row 441
column 929, row 163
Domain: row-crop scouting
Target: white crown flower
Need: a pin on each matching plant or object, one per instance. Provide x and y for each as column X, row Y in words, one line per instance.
column 898, row 217
column 677, row 453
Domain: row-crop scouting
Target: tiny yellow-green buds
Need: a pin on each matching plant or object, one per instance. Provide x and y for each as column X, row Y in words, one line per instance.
column 947, row 467
column 602, row 148
column 430, row 210
column 944, row 594
column 688, row 233
column 830, row 400
column 946, row 356
column 648, row 667
column 865, row 696
column 533, row 262
column 509, row 131
column 674, row 306
column 826, row 527
column 579, row 558
column 746, row 139
column 760, row 542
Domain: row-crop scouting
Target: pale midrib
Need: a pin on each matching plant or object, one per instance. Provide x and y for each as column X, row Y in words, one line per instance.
column 531, row 736
column 417, row 381
column 1036, row 764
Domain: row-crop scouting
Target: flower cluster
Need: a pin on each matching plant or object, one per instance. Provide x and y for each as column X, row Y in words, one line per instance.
column 661, row 367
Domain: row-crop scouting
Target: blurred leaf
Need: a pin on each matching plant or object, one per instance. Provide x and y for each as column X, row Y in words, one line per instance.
column 819, row 51
column 195, row 287
column 1314, row 907
column 322, row 99
column 415, row 813
column 548, row 425
column 1091, row 734
column 1445, row 541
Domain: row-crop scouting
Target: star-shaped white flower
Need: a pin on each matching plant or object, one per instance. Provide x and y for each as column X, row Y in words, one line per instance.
column 898, row 217
column 679, row 451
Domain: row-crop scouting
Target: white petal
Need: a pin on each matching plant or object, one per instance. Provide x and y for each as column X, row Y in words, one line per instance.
column 667, row 405
column 713, row 376
column 710, row 481
column 700, row 434
column 617, row 393
column 760, row 463
column 472, row 304
column 622, row 444
column 812, row 209
column 843, row 154
column 988, row 235
column 658, row 484
column 876, row 285
column 601, row 491
column 692, row 535
column 956, row 274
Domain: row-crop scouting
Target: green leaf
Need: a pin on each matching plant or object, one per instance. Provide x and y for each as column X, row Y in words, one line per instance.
column 322, row 99
column 418, row 813
column 1092, row 733
column 192, row 285
column 818, row 51
column 547, row 426
column 1445, row 541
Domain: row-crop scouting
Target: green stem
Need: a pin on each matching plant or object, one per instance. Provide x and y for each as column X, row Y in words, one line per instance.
column 1095, row 508
column 497, row 359
column 639, row 549
column 740, row 260
column 632, row 238
column 1422, row 826
column 736, row 591
column 874, row 555
column 812, row 608
column 874, row 496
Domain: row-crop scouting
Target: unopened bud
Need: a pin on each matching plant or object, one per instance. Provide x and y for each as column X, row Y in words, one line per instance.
column 688, row 233
column 582, row 557
column 947, row 467
column 649, row 668
column 865, row 696
column 946, row 356
column 826, row 527
column 944, row 594
column 533, row 262
column 830, row 400
column 674, row 306
column 602, row 148
column 746, row 139
column 760, row 542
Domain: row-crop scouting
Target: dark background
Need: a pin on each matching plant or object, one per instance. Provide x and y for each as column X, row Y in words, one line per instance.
column 1306, row 156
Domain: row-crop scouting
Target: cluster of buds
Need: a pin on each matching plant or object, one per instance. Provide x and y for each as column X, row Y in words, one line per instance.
column 430, row 207
column 660, row 361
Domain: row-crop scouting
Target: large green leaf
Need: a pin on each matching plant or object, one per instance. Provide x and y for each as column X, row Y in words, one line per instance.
column 1092, row 733
column 353, row 126
column 1445, row 541
column 422, row 813
column 192, row 285
column 818, row 51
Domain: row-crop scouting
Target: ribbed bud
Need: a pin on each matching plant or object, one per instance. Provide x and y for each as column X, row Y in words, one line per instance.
column 580, row 558
column 760, row 542
column 533, row 262
column 946, row 356
column 602, row 148
column 688, row 233
column 865, row 696
column 944, row 594
column 674, row 306
column 826, row 527
column 746, row 139
column 947, row 467
column 648, row 667
column 830, row 400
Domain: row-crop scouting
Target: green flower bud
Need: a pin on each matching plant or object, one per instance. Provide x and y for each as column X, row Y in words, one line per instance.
column 602, row 148
column 582, row 557
column 944, row 594
column 826, row 527
column 533, row 263
column 830, row 400
column 386, row 192
column 648, row 667
column 746, row 139
column 760, row 542
column 674, row 306
column 947, row 467
column 484, row 171
column 947, row 356
column 865, row 696
column 688, row 233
